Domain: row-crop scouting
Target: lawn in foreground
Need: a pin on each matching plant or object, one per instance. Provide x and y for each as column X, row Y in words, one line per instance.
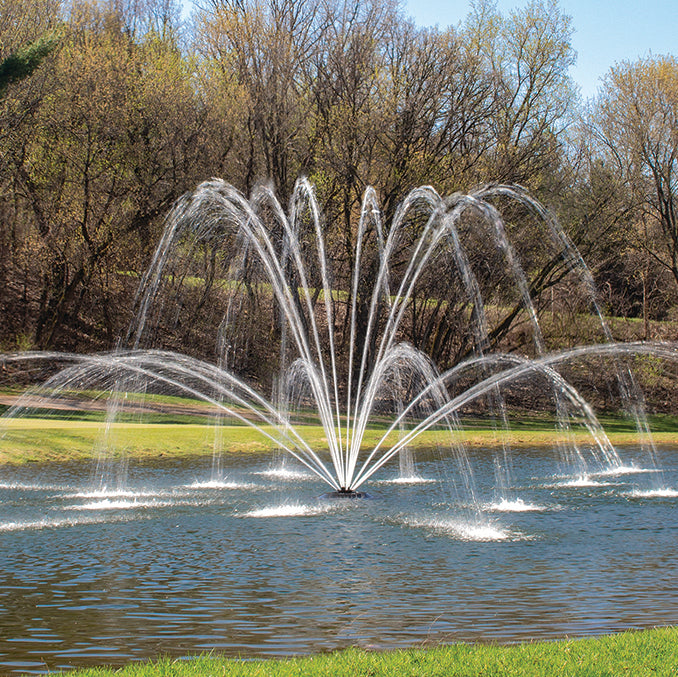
column 650, row 652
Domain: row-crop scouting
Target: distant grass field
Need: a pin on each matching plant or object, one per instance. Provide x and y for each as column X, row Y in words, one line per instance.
column 632, row 654
column 30, row 440
column 169, row 426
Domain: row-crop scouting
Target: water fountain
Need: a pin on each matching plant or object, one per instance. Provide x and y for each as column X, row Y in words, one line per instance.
column 289, row 252
column 340, row 356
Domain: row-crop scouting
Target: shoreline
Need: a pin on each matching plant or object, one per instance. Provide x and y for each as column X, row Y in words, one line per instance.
column 626, row 653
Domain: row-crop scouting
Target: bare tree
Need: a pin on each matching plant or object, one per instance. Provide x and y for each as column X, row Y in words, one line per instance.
column 529, row 53
column 265, row 46
column 636, row 118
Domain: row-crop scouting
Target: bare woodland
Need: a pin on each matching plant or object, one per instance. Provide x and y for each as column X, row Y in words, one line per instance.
column 110, row 110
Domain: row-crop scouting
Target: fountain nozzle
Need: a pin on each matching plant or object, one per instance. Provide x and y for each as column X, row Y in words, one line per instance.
column 343, row 492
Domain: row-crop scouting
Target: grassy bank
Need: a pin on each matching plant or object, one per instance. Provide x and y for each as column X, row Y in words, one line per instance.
column 651, row 652
column 40, row 440
column 30, row 440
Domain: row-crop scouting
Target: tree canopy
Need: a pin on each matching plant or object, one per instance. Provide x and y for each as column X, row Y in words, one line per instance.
column 110, row 110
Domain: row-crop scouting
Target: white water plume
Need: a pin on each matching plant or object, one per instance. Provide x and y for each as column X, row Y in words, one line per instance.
column 654, row 493
column 624, row 470
column 406, row 480
column 51, row 523
column 582, row 481
column 120, row 504
column 288, row 510
column 514, row 505
column 220, row 484
column 29, row 486
column 114, row 493
column 464, row 530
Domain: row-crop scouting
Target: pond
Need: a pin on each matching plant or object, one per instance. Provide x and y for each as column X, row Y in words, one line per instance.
column 260, row 565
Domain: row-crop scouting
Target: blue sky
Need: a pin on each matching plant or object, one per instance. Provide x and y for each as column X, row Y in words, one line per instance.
column 605, row 31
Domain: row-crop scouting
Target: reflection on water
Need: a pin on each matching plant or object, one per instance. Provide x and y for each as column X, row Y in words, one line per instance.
column 257, row 564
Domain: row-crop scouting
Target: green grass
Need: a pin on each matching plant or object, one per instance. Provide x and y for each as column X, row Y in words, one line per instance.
column 651, row 652
column 40, row 440
column 30, row 440
column 178, row 427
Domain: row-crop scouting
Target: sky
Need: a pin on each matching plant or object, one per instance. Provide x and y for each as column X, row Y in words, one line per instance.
column 606, row 31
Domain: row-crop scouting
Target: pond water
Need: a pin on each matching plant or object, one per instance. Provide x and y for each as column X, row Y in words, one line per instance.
column 259, row 565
